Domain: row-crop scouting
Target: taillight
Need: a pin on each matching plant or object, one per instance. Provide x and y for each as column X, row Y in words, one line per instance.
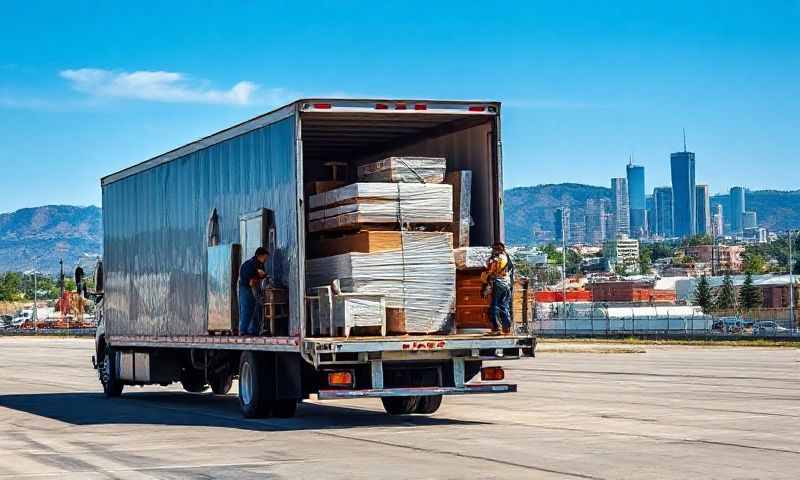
column 492, row 373
column 420, row 106
column 340, row 379
column 322, row 106
column 477, row 108
column 381, row 106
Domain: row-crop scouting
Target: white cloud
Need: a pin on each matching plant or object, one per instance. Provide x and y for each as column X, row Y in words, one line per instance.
column 159, row 86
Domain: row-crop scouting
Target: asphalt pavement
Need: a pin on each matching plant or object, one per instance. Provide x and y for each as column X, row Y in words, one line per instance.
column 625, row 413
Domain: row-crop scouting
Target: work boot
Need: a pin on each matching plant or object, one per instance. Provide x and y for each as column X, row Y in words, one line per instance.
column 506, row 331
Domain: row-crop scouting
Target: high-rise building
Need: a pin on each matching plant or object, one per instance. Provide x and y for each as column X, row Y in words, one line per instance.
column 561, row 224
column 636, row 200
column 595, row 220
column 737, row 209
column 662, row 217
column 749, row 220
column 620, row 207
column 622, row 251
column 703, row 206
column 684, row 209
column 650, row 219
column 718, row 222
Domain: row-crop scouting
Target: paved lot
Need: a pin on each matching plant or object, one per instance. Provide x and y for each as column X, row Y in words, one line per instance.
column 672, row 412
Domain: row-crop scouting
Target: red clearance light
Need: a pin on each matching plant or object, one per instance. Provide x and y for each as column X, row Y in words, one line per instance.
column 381, row 106
column 322, row 106
column 400, row 106
column 420, row 106
column 477, row 108
column 340, row 379
column 492, row 373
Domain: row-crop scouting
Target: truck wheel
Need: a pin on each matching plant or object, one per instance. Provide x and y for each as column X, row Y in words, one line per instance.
column 193, row 381
column 221, row 384
column 399, row 405
column 284, row 408
column 252, row 395
column 428, row 404
column 112, row 386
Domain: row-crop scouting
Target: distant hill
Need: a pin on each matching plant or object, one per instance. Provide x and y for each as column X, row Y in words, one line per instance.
column 48, row 233
column 776, row 210
column 529, row 210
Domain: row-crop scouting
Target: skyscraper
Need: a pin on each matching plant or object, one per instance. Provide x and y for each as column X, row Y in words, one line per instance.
column 683, row 193
column 718, row 222
column 561, row 224
column 650, row 219
column 749, row 220
column 703, row 205
column 595, row 219
column 662, row 197
column 737, row 209
column 636, row 200
column 620, row 207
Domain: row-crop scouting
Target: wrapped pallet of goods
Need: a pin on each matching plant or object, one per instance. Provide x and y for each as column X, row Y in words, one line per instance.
column 417, row 280
column 363, row 204
column 461, row 181
column 404, row 170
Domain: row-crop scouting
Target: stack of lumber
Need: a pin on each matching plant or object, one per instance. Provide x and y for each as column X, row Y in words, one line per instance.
column 417, row 279
column 404, row 170
column 522, row 302
column 362, row 204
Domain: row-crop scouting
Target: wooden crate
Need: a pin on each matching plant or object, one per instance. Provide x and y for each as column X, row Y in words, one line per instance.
column 472, row 317
column 365, row 241
column 275, row 308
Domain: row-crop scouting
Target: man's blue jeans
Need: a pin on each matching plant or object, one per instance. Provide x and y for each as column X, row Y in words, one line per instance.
column 500, row 308
column 247, row 304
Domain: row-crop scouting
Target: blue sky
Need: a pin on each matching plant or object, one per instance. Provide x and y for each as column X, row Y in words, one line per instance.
column 87, row 89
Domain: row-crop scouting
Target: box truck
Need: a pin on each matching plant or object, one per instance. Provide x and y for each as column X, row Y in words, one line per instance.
column 176, row 226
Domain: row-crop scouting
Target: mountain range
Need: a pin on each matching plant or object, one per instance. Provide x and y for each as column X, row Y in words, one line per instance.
column 38, row 237
column 51, row 232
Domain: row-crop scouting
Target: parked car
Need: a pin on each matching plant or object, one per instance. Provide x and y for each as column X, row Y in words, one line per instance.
column 728, row 325
column 5, row 321
column 769, row 328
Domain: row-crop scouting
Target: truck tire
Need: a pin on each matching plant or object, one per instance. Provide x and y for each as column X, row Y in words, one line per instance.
column 428, row 404
column 284, row 408
column 253, row 398
column 399, row 405
column 194, row 381
column 221, row 384
column 112, row 386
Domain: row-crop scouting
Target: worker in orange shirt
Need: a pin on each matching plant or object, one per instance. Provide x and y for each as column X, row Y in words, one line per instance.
column 497, row 277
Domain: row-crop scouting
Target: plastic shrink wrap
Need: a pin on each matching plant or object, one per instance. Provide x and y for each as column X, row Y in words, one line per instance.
column 365, row 203
column 404, row 170
column 469, row 258
column 418, row 278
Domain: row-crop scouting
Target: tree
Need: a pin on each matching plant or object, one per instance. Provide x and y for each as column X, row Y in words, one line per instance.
column 645, row 261
column 702, row 295
column 726, row 297
column 749, row 294
column 753, row 262
column 700, row 240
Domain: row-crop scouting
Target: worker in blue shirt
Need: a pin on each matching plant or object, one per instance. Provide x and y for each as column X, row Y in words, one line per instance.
column 250, row 273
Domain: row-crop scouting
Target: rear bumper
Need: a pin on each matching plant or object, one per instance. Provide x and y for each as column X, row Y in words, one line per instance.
column 418, row 391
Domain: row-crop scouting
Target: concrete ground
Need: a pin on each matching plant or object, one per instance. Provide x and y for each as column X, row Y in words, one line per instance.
column 670, row 412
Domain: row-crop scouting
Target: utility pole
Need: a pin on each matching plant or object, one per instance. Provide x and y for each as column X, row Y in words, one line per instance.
column 791, row 283
column 564, row 265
